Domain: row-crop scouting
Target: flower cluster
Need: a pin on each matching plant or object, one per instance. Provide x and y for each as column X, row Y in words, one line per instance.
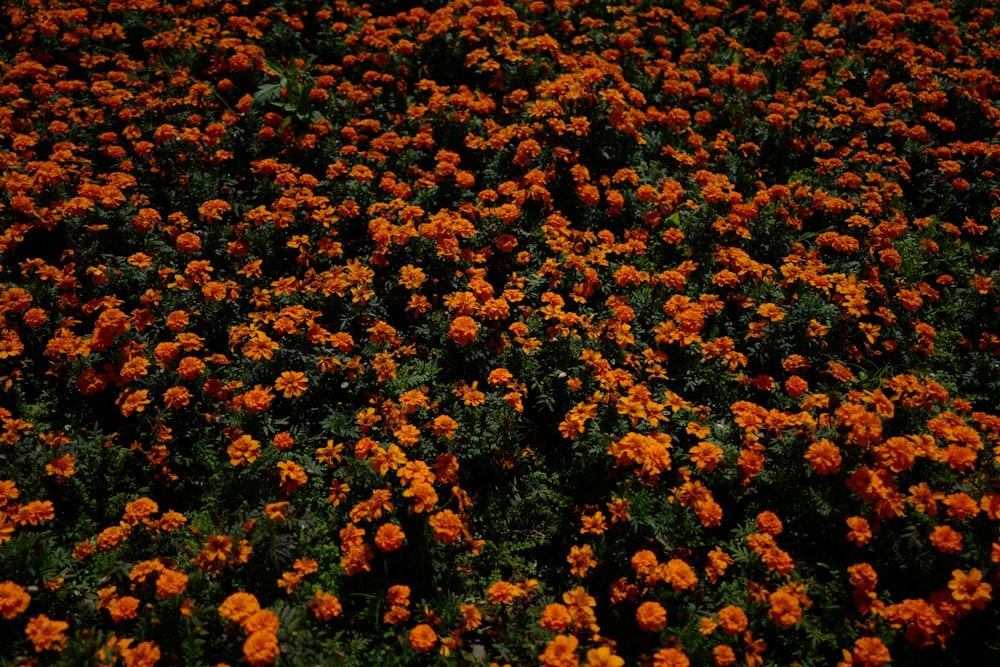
column 538, row 332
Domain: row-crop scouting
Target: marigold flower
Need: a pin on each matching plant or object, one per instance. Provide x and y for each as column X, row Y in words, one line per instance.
column 262, row 619
column 238, row 607
column 422, row 637
column 325, row 606
column 243, row 451
column 946, row 539
column 581, row 559
column 291, row 383
column 171, row 583
column 44, row 633
column 968, row 590
column 292, row 475
column 13, row 599
column 504, row 592
column 670, row 657
column 463, row 330
column 561, row 652
column 868, row 652
column 447, row 526
column 785, row 609
column 261, row 648
column 733, row 620
column 651, row 616
column 389, row 537
column 824, row 457
column 723, row 655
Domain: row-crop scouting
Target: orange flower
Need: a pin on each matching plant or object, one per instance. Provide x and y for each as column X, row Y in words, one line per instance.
column 423, row 638
column 651, row 616
column 580, row 559
column 325, row 606
column 292, row 383
column 603, row 656
column 504, row 592
column 447, row 526
column 261, row 648
column 868, row 652
column 389, row 537
column 171, row 583
column 463, row 330
column 785, row 609
column 824, row 457
column 123, row 608
column 555, row 617
column 723, row 655
column 733, row 620
column 946, row 539
column 238, row 607
column 45, row 633
column 243, row 451
column 968, row 590
column 262, row 619
column 13, row 599
column 861, row 532
column 561, row 652
column 670, row 657
column 292, row 475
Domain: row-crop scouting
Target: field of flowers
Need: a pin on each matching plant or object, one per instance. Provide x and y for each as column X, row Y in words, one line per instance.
column 553, row 332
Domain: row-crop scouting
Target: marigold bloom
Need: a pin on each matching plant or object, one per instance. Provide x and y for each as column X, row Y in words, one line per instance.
column 561, row 652
column 243, row 451
column 447, row 526
column 44, row 633
column 238, row 607
column 389, row 537
column 291, row 383
column 463, row 330
column 824, row 457
column 723, row 655
column 581, row 559
column 504, row 592
column 13, row 599
column 422, row 637
column 171, row 583
column 670, row 657
column 651, row 616
column 325, row 606
column 946, row 539
column 123, row 608
column 868, row 652
column 733, row 620
column 603, row 656
column 292, row 475
column 261, row 648
column 768, row 522
column 262, row 619
column 968, row 590
column 785, row 609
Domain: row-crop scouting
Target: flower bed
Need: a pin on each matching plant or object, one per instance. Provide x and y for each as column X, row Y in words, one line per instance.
column 556, row 333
